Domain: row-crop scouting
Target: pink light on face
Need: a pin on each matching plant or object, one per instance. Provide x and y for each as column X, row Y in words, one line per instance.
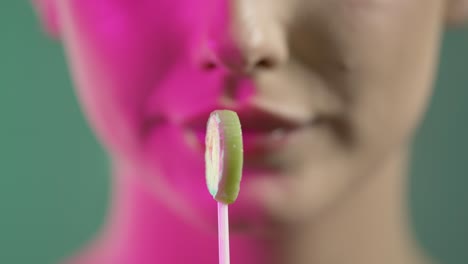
column 139, row 68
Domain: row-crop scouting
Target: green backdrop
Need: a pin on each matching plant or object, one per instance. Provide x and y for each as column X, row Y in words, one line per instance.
column 54, row 181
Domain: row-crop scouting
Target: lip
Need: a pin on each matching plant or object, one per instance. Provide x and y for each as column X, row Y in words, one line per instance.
column 262, row 132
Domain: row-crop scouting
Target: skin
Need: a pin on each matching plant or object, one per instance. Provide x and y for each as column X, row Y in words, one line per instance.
column 355, row 77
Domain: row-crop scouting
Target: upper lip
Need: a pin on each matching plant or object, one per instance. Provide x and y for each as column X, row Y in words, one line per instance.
column 252, row 119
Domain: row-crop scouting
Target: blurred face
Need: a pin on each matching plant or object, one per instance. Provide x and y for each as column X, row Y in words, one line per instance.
column 325, row 90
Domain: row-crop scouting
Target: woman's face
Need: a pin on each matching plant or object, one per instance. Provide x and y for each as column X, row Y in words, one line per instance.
column 325, row 90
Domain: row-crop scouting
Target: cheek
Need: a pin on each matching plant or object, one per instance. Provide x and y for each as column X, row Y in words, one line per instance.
column 390, row 82
column 118, row 56
column 386, row 113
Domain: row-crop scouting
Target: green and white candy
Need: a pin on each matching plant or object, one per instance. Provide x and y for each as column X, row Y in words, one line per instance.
column 224, row 155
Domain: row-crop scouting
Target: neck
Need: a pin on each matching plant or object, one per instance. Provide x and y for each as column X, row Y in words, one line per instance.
column 140, row 229
column 369, row 226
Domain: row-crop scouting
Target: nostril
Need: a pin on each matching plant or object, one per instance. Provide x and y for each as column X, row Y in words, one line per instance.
column 264, row 63
column 237, row 62
column 209, row 65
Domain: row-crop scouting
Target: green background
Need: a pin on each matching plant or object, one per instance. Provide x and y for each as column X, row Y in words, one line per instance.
column 54, row 181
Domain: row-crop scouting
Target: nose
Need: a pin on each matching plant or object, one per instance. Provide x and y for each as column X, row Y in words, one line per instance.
column 245, row 37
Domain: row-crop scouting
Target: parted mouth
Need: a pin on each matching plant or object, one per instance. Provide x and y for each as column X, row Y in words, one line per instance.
column 262, row 131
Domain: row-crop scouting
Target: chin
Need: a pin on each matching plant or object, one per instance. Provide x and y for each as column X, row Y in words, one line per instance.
column 296, row 195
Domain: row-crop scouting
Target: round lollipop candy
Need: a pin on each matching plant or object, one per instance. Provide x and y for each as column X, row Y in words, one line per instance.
column 224, row 155
column 224, row 158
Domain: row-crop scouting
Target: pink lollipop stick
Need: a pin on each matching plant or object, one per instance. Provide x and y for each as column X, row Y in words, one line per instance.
column 223, row 233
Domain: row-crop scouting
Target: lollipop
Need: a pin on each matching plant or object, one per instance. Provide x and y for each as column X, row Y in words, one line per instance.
column 224, row 158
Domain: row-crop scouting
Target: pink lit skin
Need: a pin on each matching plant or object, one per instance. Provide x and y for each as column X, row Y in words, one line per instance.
column 140, row 72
